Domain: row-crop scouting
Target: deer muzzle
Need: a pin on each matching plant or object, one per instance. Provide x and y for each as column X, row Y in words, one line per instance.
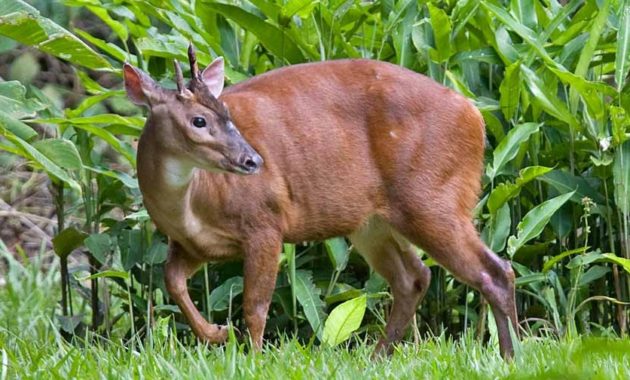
column 249, row 162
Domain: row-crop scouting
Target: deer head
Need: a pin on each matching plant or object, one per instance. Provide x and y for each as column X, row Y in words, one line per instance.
column 190, row 123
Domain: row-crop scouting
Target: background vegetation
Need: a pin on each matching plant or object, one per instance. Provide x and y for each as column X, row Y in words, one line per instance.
column 550, row 79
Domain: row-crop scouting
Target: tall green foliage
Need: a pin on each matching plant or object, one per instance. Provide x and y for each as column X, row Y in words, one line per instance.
column 549, row 79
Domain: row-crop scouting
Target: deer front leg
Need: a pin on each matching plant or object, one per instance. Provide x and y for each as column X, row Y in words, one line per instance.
column 177, row 270
column 260, row 270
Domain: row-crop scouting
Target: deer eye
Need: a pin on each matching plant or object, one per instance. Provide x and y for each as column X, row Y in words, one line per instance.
column 199, row 122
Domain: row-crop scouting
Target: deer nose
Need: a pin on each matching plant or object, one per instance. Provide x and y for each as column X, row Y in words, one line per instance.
column 251, row 162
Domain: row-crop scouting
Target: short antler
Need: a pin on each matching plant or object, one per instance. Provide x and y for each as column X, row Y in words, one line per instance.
column 179, row 78
column 192, row 57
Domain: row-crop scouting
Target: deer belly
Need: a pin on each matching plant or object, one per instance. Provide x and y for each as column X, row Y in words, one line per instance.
column 202, row 241
column 325, row 222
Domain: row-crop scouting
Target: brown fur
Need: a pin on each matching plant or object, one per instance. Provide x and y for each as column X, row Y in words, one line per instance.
column 351, row 147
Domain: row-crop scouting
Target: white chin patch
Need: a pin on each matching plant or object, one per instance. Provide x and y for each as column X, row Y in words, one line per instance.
column 177, row 172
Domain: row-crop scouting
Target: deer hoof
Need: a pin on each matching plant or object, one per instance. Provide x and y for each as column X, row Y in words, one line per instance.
column 383, row 349
column 214, row 334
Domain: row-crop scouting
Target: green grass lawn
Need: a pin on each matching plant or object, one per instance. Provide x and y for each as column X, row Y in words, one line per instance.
column 31, row 347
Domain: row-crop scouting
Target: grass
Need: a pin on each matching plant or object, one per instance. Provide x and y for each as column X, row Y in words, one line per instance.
column 31, row 347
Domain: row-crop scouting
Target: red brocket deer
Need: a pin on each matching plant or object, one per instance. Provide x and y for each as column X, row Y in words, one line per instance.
column 357, row 148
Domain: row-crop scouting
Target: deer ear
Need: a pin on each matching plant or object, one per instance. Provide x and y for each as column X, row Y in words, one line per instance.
column 141, row 89
column 213, row 77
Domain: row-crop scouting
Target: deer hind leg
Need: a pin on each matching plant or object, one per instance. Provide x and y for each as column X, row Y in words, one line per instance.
column 393, row 257
column 455, row 245
column 179, row 267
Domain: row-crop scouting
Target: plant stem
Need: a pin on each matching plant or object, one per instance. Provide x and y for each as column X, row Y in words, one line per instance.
column 621, row 316
column 63, row 260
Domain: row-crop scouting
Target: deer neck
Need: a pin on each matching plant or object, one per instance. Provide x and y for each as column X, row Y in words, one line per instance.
column 166, row 181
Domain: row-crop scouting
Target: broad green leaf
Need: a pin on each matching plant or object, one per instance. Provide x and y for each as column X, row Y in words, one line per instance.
column 212, row 34
column 462, row 13
column 493, row 125
column 622, row 61
column 67, row 241
column 15, row 104
column 106, row 118
column 458, row 84
column 157, row 253
column 130, row 244
column 505, row 46
column 620, row 124
column 536, row 219
column 272, row 37
column 22, row 27
column 229, row 40
column 441, row 24
column 559, row 18
column 23, row 23
column 506, row 191
column 485, row 104
column 308, row 295
column 555, row 259
column 60, row 151
column 529, row 279
column 91, row 101
column 268, row 8
column 118, row 28
column 487, row 55
column 625, row 263
column 16, row 127
column 508, row 147
column 524, row 12
column 549, row 101
column 344, row 320
column 549, row 295
column 107, row 273
column 621, row 177
column 565, row 182
column 593, row 273
column 578, row 22
column 591, row 92
column 501, row 194
column 302, row 8
column 500, row 228
column 107, row 47
column 169, row 46
column 221, row 296
column 123, row 177
column 100, row 246
column 338, row 252
column 342, row 292
column 521, row 29
column 29, row 152
column 119, row 146
column 510, row 90
column 90, row 85
column 185, row 25
column 586, row 259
